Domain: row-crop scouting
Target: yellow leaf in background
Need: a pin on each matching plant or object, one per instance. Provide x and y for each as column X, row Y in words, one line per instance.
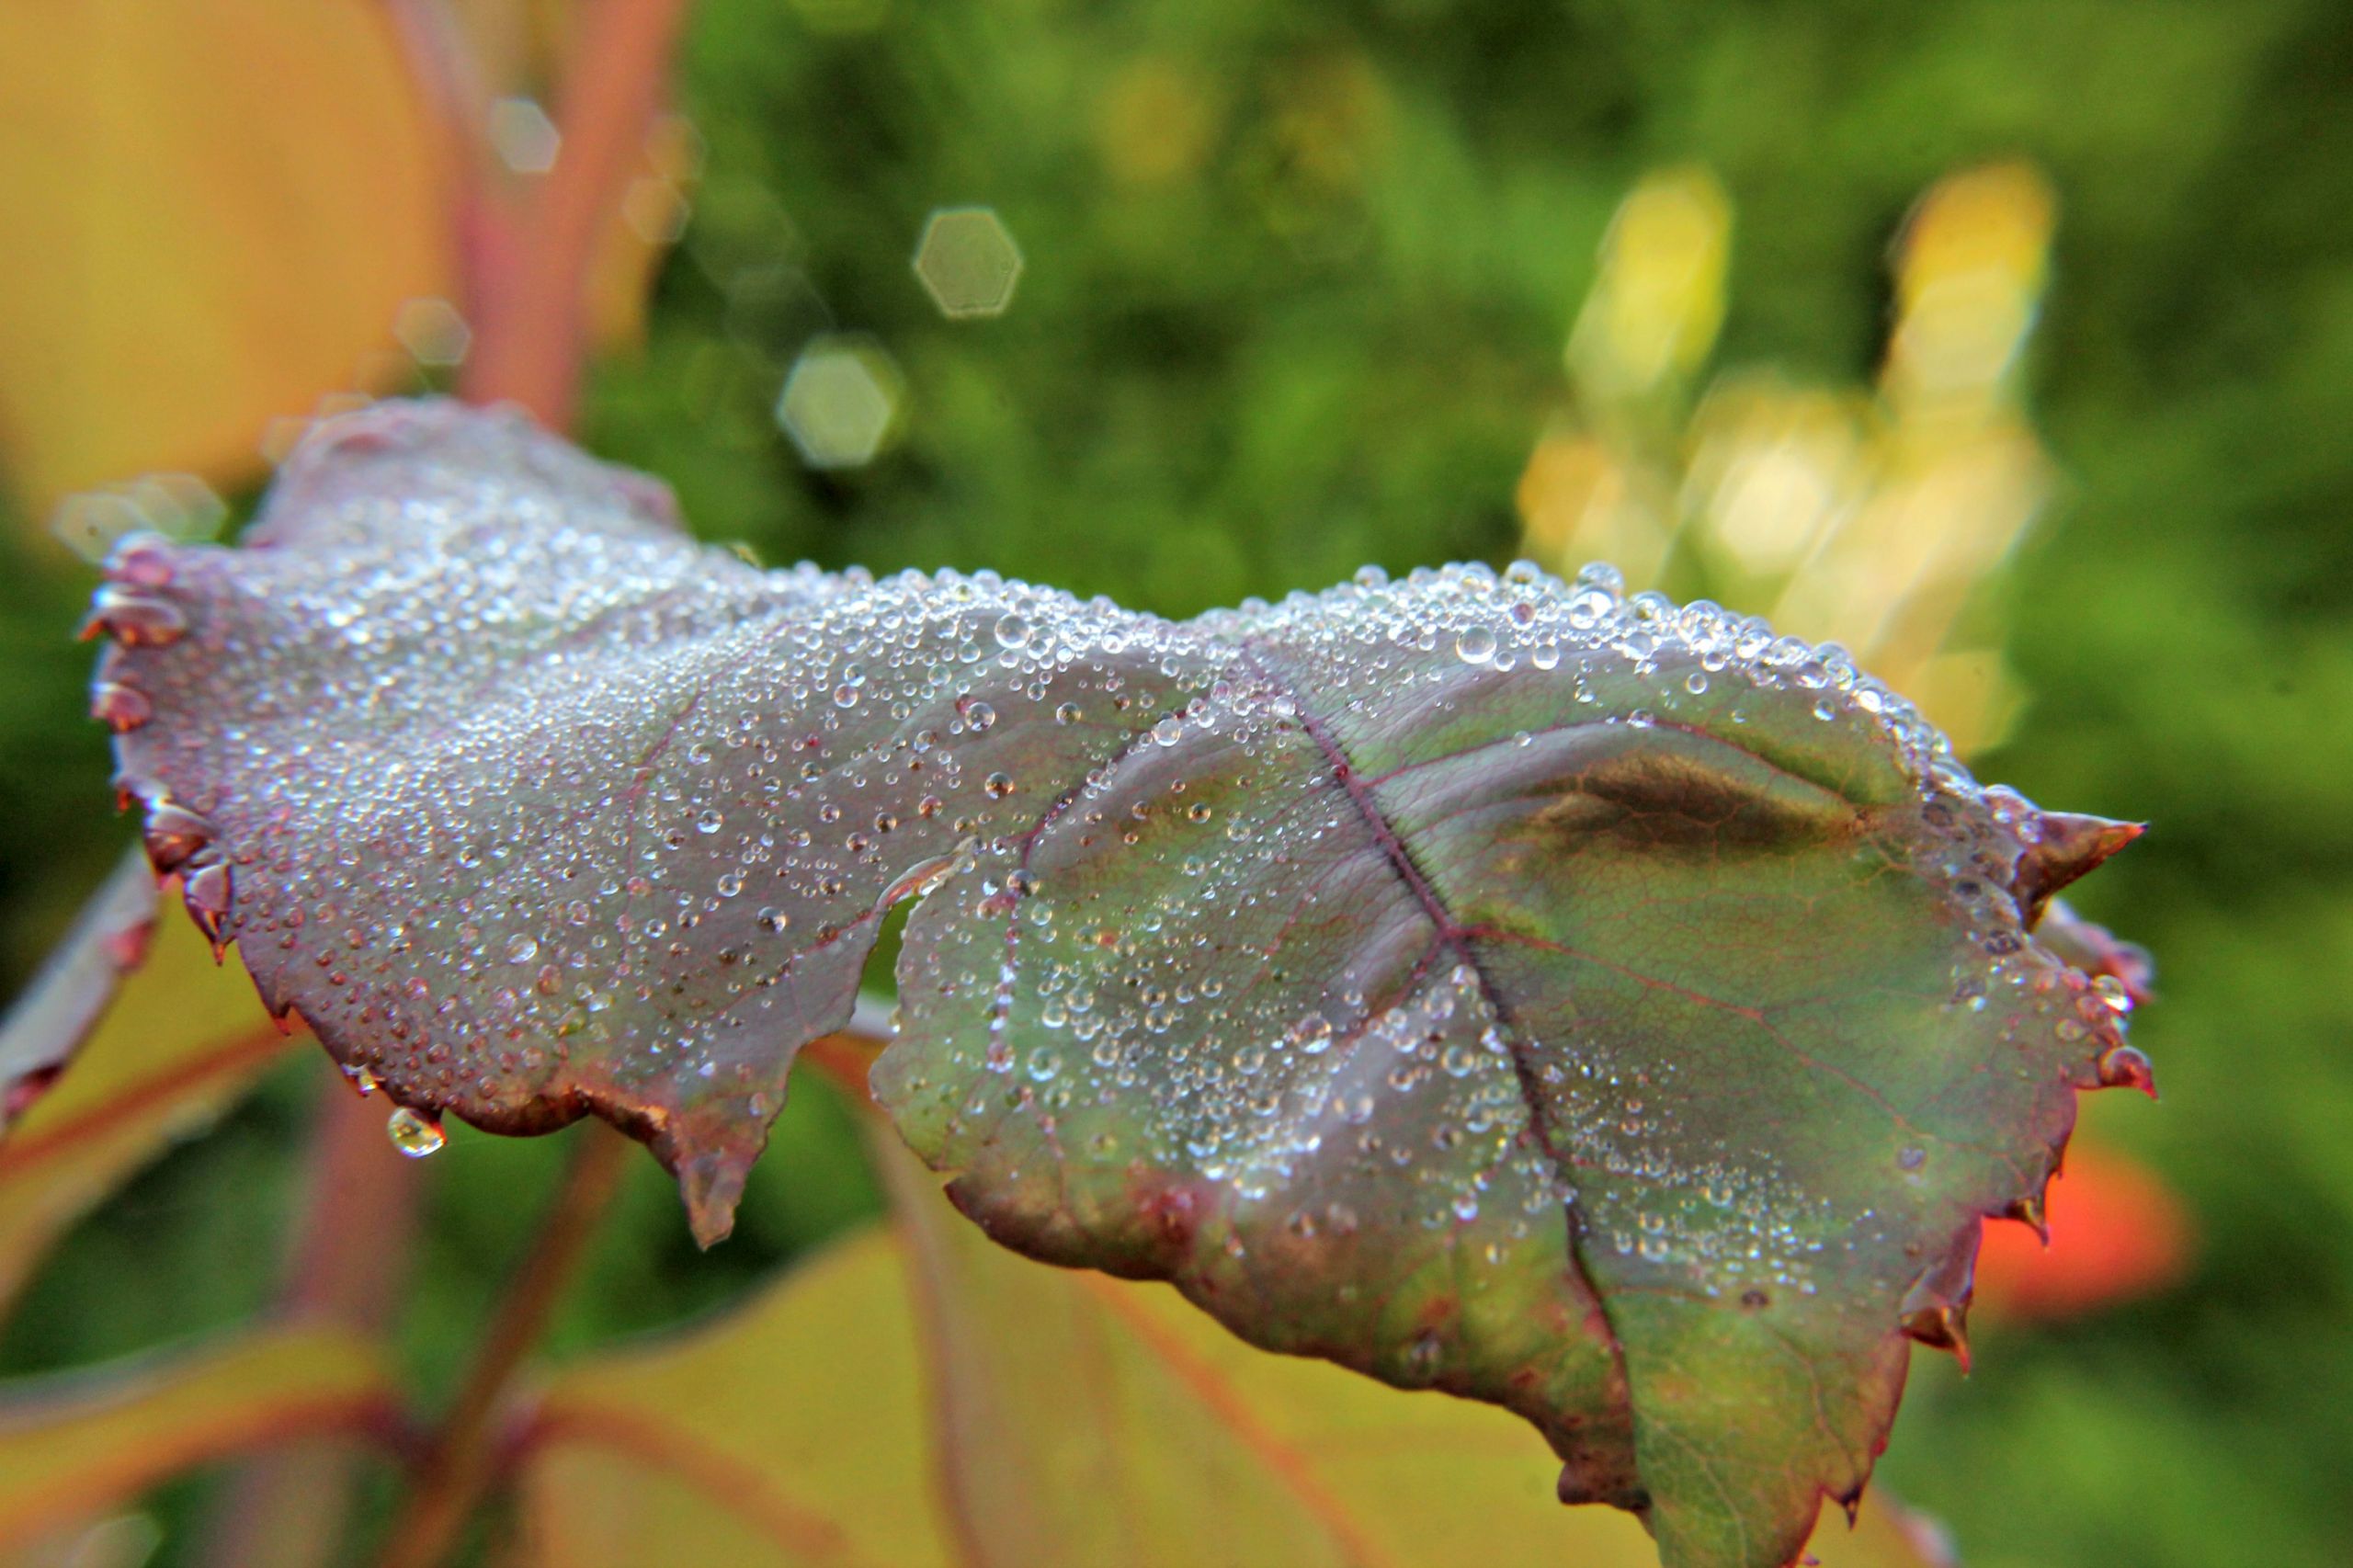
column 183, row 1039
column 932, row 1399
column 1581, row 502
column 74, row 1444
column 212, row 211
column 1974, row 685
column 1155, row 121
column 1659, row 300
column 1774, row 469
column 1969, row 278
column 1882, row 522
column 791, row 1431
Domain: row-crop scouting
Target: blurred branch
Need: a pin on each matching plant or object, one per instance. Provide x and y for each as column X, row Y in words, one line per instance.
column 288, row 1510
column 529, row 305
column 459, row 100
column 456, row 1468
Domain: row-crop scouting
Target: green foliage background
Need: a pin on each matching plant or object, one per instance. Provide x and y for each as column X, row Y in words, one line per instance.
column 1268, row 369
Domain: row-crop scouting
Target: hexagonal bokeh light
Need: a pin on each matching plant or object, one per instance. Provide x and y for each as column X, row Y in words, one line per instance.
column 841, row 401
column 968, row 262
column 432, row 331
column 178, row 505
column 526, row 140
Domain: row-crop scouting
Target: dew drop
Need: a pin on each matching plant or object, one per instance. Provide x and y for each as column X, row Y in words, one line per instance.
column 414, row 1134
column 1474, row 645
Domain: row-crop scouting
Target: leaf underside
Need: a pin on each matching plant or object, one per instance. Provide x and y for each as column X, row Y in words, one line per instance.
column 1603, row 1009
column 47, row 1026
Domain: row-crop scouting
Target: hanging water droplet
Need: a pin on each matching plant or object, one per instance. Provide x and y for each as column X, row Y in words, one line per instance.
column 414, row 1134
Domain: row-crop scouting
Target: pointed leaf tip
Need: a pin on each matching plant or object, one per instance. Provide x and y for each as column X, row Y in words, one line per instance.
column 2128, row 1067
column 2068, row 845
column 2029, row 1211
column 1935, row 1311
column 713, row 1184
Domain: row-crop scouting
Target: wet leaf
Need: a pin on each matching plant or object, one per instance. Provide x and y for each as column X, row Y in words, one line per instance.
column 74, row 1444
column 1600, row 1008
column 176, row 1044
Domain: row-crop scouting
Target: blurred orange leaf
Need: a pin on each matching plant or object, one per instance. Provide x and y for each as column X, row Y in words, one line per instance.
column 2116, row 1231
column 72, row 1445
column 212, row 211
column 180, row 1042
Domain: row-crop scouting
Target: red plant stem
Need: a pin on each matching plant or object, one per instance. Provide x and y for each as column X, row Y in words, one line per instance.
column 530, row 307
column 348, row 1264
column 456, row 1467
column 459, row 102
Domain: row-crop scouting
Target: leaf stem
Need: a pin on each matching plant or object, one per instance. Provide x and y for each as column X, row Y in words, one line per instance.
column 451, row 1477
